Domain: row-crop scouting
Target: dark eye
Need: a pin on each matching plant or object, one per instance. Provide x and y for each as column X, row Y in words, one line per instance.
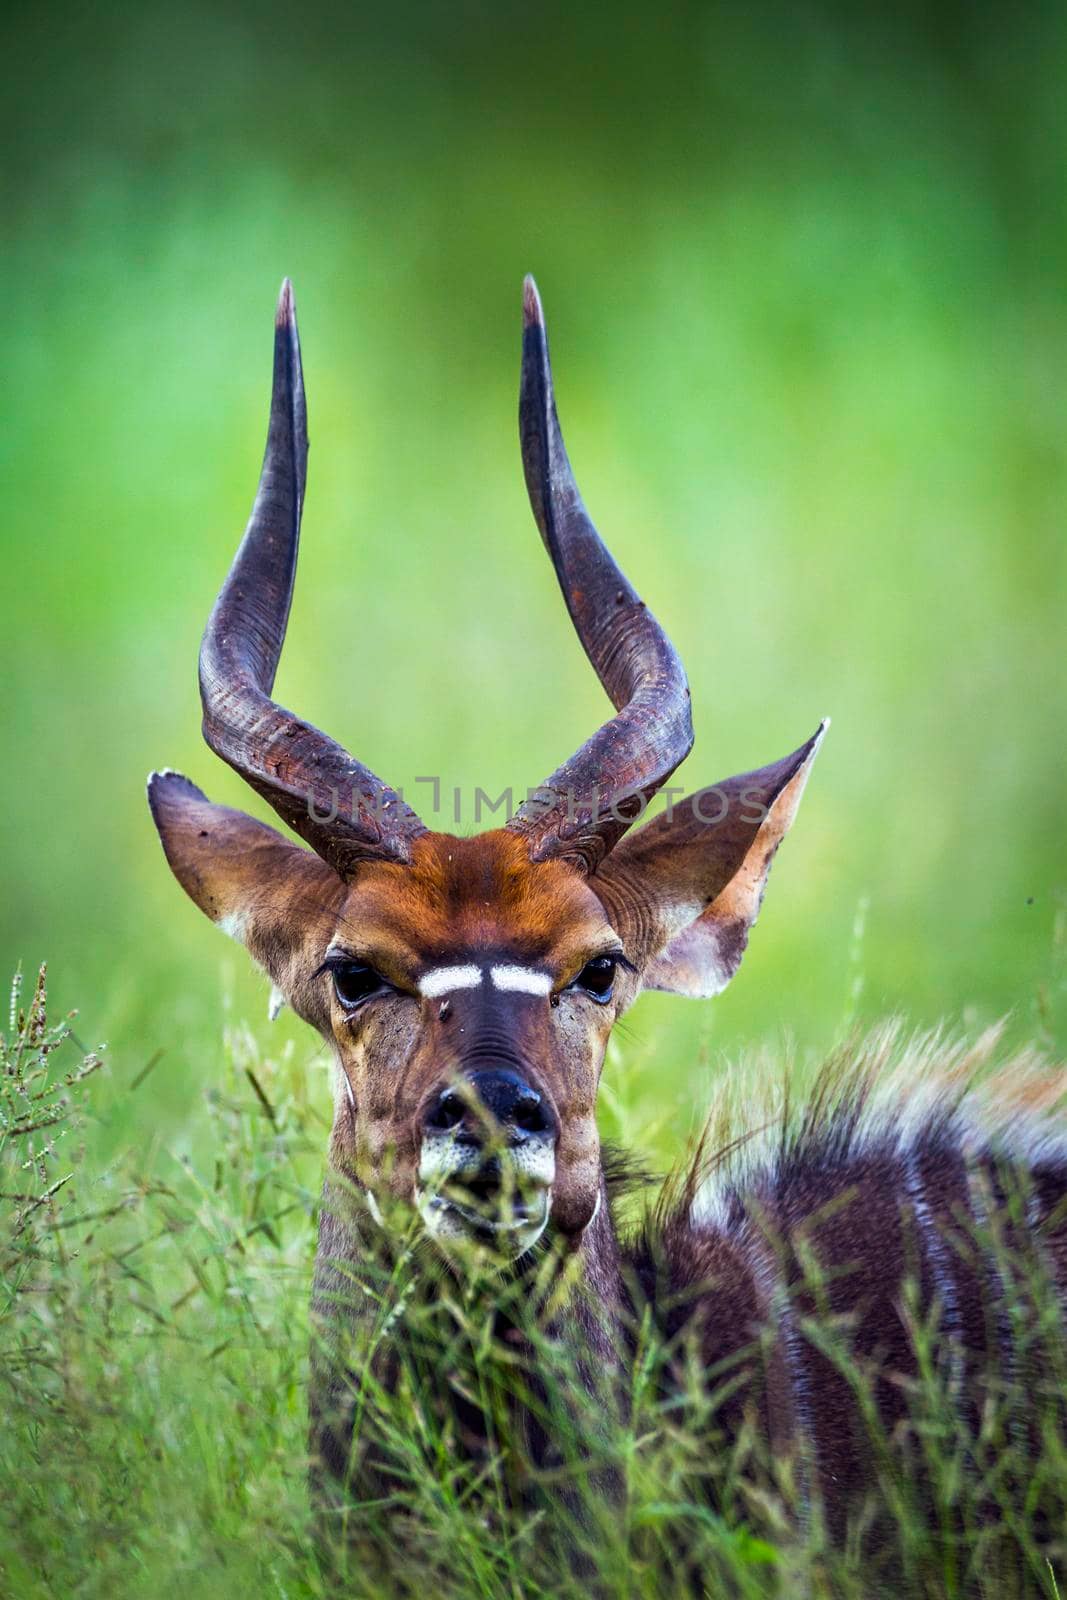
column 354, row 982
column 597, row 977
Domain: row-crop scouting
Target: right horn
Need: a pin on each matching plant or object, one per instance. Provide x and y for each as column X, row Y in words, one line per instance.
column 334, row 802
column 585, row 807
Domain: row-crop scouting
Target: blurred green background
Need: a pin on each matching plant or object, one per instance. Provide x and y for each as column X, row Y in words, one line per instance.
column 803, row 267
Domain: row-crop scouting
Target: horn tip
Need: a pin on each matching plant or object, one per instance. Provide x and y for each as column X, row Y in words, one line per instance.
column 285, row 316
column 532, row 314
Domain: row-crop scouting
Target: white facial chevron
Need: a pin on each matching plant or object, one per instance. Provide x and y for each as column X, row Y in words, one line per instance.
column 523, row 980
column 519, row 980
column 443, row 980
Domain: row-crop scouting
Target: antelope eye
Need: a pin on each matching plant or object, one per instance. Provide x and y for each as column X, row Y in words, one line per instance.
column 597, row 978
column 354, row 982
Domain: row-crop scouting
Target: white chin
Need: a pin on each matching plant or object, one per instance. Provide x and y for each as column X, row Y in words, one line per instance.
column 447, row 1220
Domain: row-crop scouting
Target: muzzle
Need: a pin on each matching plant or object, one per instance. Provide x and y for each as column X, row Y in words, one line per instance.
column 487, row 1161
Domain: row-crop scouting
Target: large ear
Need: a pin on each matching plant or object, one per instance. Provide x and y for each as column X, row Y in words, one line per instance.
column 278, row 900
column 683, row 891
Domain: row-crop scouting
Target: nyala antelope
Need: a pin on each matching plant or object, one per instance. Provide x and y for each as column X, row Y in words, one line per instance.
column 467, row 987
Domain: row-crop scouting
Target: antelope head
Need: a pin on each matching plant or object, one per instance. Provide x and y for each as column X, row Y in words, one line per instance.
column 468, row 986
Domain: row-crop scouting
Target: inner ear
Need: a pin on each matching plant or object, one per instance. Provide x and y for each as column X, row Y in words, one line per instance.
column 685, row 889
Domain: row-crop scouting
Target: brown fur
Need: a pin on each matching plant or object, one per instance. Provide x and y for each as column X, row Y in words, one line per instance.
column 795, row 1279
column 855, row 1226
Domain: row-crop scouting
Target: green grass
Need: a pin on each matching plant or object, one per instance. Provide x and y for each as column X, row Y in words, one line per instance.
column 153, row 1355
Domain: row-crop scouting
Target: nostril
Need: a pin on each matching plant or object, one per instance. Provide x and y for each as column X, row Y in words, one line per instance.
column 470, row 1110
column 529, row 1113
column 447, row 1112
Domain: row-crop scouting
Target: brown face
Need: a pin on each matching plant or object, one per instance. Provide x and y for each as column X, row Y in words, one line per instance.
column 469, row 993
column 470, row 996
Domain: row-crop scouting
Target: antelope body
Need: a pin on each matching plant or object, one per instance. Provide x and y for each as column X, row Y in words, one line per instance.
column 468, row 987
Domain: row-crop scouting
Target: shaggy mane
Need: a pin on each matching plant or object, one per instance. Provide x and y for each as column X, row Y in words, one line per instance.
column 892, row 1091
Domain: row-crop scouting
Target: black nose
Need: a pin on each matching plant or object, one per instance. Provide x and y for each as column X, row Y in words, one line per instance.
column 519, row 1110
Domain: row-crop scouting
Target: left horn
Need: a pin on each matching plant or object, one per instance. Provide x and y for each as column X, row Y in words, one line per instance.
column 587, row 804
column 343, row 811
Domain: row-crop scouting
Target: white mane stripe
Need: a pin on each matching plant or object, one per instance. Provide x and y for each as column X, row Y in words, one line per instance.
column 522, row 980
column 442, row 980
column 939, row 1261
